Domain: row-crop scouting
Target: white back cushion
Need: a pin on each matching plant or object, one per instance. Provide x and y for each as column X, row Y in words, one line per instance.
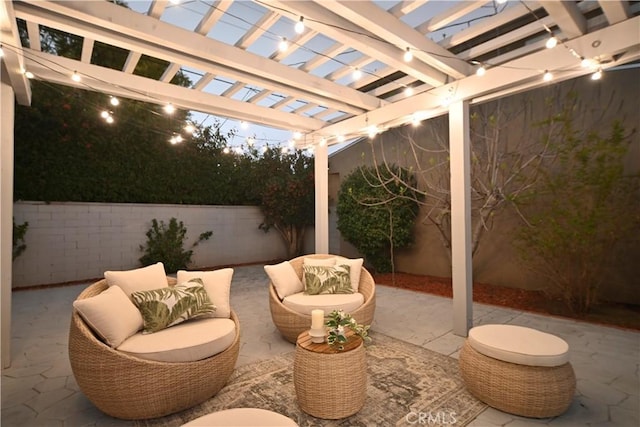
column 217, row 283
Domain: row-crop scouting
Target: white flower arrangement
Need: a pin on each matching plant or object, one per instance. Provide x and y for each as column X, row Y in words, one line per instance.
column 337, row 322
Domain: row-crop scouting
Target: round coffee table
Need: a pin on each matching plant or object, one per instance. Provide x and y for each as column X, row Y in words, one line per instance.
column 330, row 383
column 242, row 417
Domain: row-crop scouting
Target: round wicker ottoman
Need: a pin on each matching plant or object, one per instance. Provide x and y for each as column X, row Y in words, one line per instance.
column 329, row 383
column 518, row 370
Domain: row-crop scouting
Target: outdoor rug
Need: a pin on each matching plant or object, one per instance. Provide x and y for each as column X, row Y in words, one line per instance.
column 407, row 385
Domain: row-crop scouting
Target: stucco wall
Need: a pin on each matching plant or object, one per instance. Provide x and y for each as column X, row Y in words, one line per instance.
column 497, row 261
column 78, row 241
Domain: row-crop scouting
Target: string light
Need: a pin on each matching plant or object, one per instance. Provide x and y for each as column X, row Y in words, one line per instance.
column 481, row 71
column 415, row 121
column 357, row 74
column 225, row 150
column 588, row 63
column 372, row 131
column 114, row 101
column 408, row 91
column 244, row 125
column 547, row 77
column 597, row 75
column 1, row 52
column 169, row 108
column 551, row 42
column 284, row 45
column 250, row 141
column 75, row 76
column 300, row 25
column 340, row 138
column 323, row 142
column 109, row 119
column 292, row 144
column 297, row 135
column 28, row 74
column 408, row 55
column 189, row 128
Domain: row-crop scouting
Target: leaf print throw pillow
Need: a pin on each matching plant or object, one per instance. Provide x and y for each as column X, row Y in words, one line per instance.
column 327, row 280
column 165, row 307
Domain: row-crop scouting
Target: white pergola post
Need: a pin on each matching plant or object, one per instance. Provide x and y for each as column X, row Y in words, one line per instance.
column 6, row 214
column 321, row 173
column 460, row 165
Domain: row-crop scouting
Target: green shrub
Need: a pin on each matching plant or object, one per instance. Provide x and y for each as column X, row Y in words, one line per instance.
column 165, row 243
column 376, row 212
column 19, row 231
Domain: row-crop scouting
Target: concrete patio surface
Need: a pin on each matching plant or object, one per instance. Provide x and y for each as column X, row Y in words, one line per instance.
column 39, row 388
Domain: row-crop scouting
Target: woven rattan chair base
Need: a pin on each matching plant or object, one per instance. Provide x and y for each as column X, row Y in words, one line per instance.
column 291, row 323
column 528, row 391
column 330, row 386
column 131, row 388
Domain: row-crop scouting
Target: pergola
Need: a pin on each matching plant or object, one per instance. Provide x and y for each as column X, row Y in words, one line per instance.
column 417, row 59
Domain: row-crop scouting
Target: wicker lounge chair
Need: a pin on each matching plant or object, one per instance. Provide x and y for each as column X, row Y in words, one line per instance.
column 131, row 388
column 291, row 323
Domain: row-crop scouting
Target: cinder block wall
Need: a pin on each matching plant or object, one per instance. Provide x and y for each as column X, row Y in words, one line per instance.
column 77, row 241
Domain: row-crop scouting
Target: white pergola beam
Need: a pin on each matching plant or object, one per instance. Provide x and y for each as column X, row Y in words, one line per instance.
column 406, row 7
column 160, row 93
column 567, row 17
column 386, row 26
column 263, row 24
column 452, row 14
column 13, row 61
column 127, row 29
column 615, row 11
column 213, row 15
column 620, row 38
column 338, row 28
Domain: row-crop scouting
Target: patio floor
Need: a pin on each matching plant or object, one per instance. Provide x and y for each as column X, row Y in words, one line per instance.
column 39, row 388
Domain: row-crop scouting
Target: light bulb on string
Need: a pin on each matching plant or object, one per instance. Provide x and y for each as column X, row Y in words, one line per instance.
column 588, row 63
column 372, row 131
column 169, row 108
column 283, row 45
column 547, row 77
column 1, row 52
column 109, row 119
column 340, row 138
column 244, row 125
column 300, row 26
column 408, row 55
column 408, row 91
column 297, row 135
column 415, row 121
column 597, row 75
column 323, row 142
column 250, row 141
column 189, row 128
column 114, row 101
column 357, row 74
column 104, row 114
column 28, row 74
column 225, row 150
column 551, row 42
column 481, row 71
column 75, row 76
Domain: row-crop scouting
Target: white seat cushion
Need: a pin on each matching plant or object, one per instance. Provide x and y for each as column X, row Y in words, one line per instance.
column 519, row 345
column 303, row 303
column 187, row 342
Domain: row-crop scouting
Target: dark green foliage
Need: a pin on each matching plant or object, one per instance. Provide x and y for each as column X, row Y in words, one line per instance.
column 165, row 243
column 376, row 213
column 19, row 231
column 286, row 197
column 584, row 206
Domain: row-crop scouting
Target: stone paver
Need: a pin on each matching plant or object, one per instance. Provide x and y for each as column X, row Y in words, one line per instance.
column 40, row 390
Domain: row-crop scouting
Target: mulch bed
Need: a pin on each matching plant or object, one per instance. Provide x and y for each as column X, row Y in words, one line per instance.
column 610, row 314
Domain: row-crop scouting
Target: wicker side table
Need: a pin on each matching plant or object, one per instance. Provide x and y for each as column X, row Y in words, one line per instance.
column 330, row 384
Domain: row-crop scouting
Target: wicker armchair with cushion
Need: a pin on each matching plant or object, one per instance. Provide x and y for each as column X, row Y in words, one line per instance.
column 291, row 322
column 129, row 383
